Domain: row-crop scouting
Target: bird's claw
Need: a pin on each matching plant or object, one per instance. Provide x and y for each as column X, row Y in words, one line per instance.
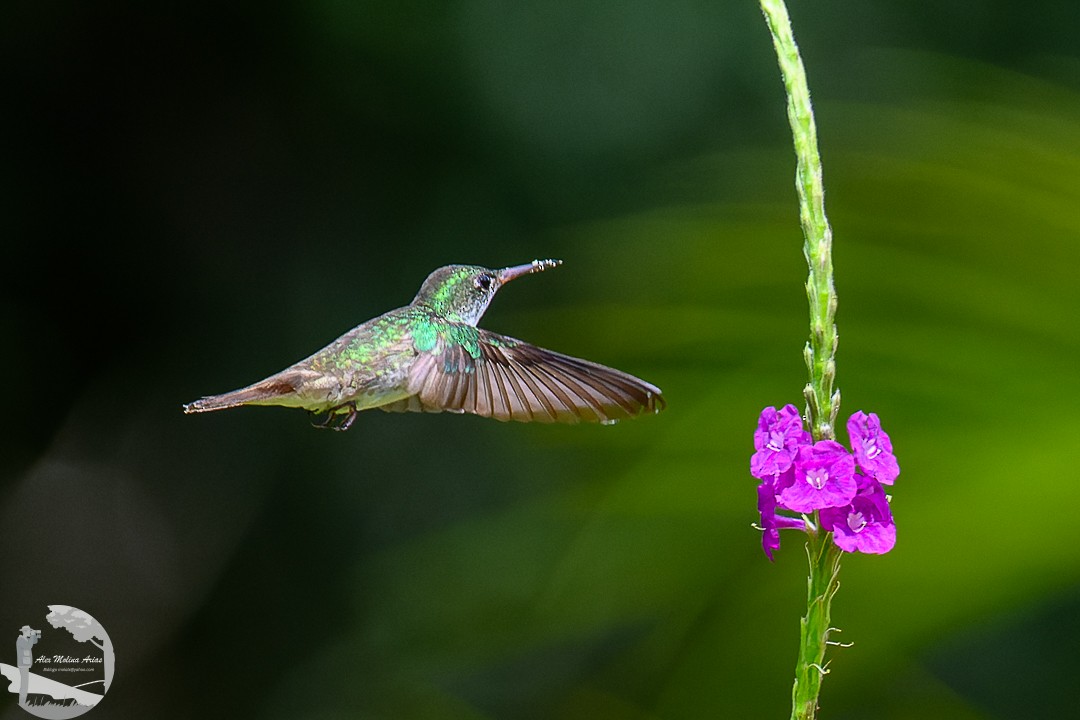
column 334, row 419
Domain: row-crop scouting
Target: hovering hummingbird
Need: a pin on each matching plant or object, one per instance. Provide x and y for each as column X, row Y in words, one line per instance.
column 429, row 356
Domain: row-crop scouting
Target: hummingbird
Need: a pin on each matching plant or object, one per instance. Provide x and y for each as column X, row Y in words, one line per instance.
column 430, row 356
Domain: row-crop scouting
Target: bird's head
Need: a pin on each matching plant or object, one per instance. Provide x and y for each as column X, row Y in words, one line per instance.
column 461, row 293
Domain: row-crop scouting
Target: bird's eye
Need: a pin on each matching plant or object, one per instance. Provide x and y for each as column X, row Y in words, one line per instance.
column 483, row 282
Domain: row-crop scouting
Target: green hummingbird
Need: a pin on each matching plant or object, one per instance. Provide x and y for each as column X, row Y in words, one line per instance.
column 429, row 356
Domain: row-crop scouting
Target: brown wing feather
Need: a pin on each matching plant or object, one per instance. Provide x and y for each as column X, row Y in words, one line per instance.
column 513, row 380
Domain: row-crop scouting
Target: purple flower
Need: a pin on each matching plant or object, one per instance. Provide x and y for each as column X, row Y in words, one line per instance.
column 866, row 524
column 824, row 477
column 841, row 490
column 873, row 449
column 771, row 523
column 776, row 440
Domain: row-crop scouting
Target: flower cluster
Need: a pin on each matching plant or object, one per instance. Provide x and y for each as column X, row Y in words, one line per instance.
column 844, row 488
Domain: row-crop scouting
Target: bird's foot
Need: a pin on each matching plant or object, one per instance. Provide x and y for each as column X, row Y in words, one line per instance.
column 338, row 418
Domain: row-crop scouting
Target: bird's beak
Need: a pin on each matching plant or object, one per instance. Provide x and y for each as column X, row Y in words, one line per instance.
column 508, row 274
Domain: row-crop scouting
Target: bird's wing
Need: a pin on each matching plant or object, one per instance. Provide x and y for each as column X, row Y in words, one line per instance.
column 507, row 379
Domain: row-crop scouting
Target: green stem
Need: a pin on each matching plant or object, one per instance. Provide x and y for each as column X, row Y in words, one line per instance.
column 822, row 402
column 821, row 586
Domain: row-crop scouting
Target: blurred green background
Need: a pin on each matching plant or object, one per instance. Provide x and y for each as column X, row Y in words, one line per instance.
column 196, row 194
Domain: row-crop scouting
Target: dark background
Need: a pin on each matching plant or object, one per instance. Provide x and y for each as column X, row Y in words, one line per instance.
column 195, row 195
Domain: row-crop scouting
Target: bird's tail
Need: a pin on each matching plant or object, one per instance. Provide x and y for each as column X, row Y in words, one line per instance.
column 276, row 390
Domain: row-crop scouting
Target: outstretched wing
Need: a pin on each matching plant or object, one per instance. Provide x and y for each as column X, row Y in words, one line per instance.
column 508, row 379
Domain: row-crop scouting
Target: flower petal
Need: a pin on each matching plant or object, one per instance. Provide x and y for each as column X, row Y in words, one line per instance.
column 866, row 525
column 824, row 477
column 872, row 446
column 776, row 440
column 771, row 523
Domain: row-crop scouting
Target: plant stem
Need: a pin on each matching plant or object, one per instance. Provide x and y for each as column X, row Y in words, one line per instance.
column 822, row 402
column 821, row 586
